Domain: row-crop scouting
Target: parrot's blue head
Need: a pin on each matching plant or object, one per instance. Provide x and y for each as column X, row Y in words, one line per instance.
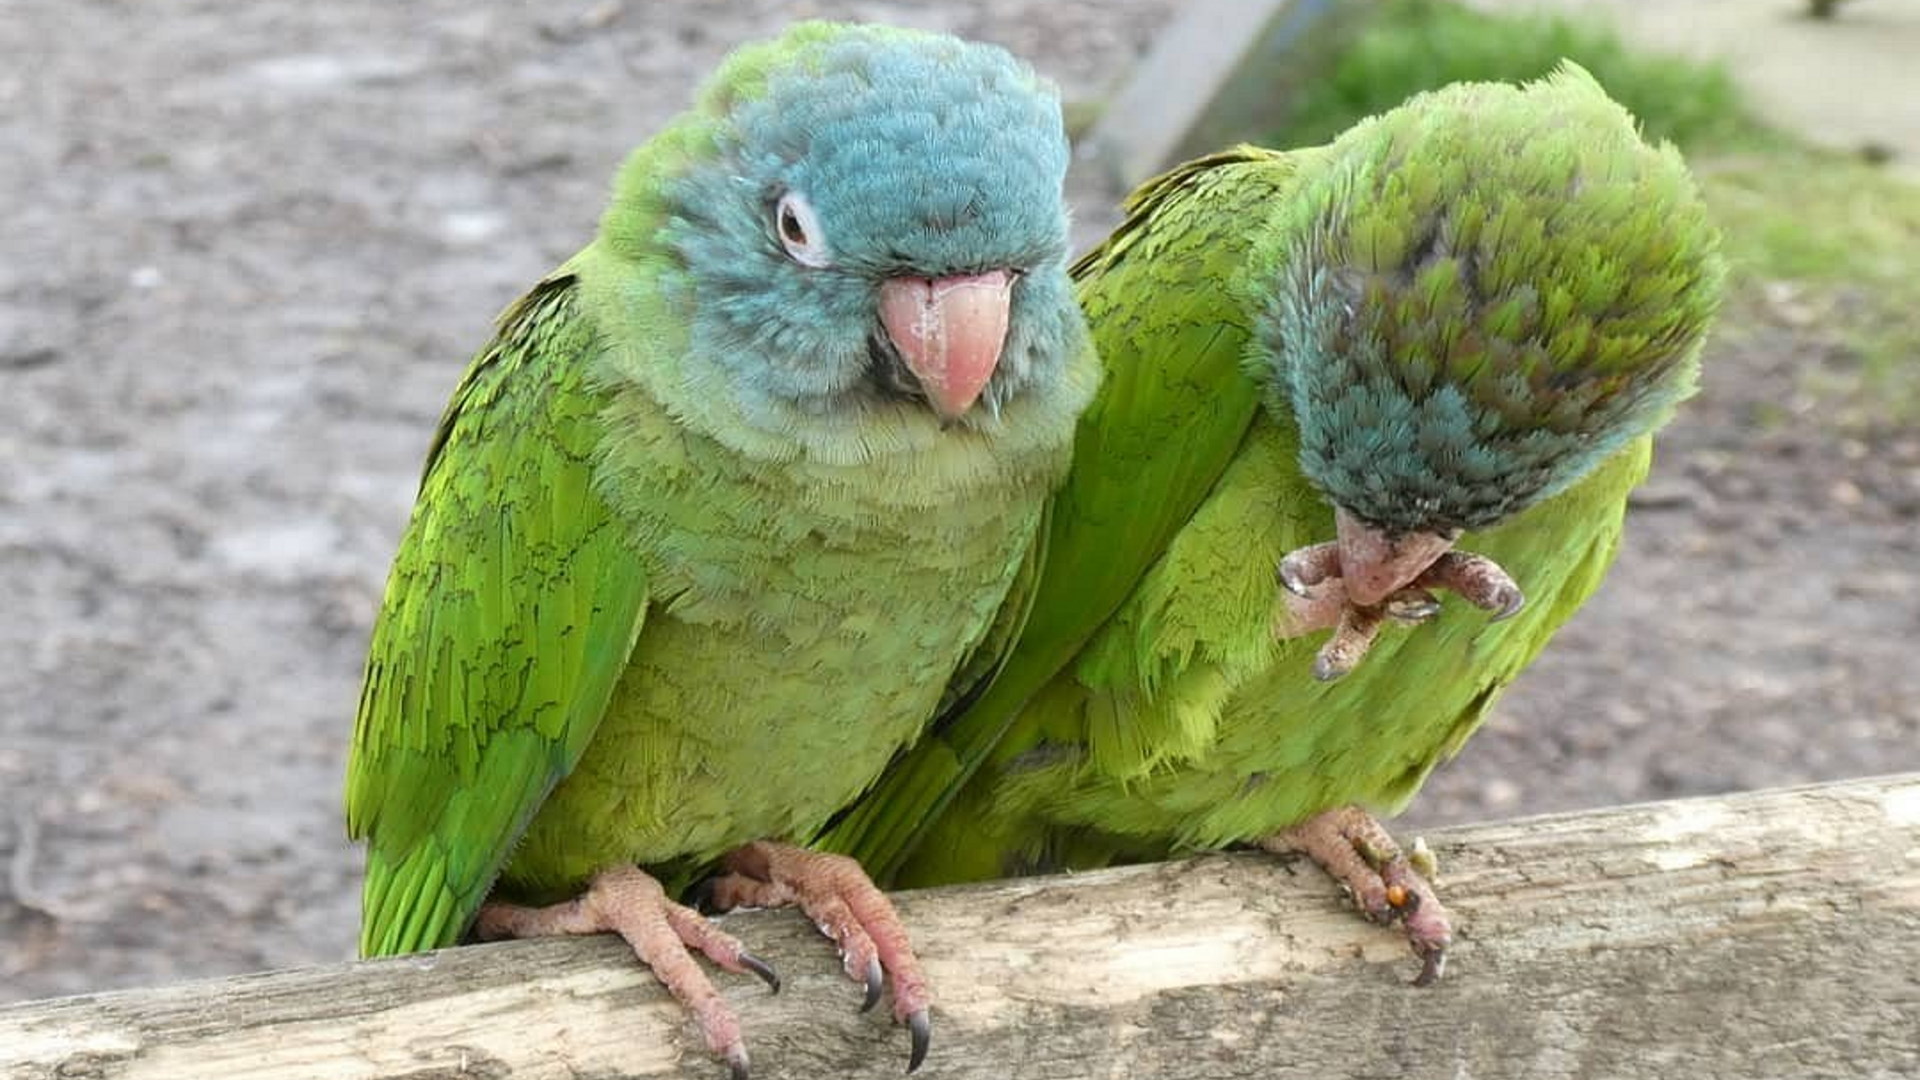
column 864, row 219
column 1485, row 293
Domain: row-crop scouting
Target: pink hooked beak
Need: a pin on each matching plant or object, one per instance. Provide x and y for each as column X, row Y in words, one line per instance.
column 950, row 331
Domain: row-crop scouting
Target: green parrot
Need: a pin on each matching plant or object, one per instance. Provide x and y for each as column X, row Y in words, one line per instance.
column 725, row 511
column 1460, row 321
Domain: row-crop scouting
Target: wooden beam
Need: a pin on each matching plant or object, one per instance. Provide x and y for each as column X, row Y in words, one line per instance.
column 1761, row 935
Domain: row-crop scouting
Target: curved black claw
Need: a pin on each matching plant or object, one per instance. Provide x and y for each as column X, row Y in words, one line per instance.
column 763, row 969
column 1432, row 963
column 1327, row 668
column 1303, row 568
column 737, row 1063
column 1427, row 930
column 1349, row 643
column 1481, row 580
column 1289, row 579
column 1412, row 607
column 1511, row 601
column 920, row 1025
column 699, row 895
column 876, row 978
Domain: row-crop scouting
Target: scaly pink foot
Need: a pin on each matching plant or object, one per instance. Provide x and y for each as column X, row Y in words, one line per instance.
column 848, row 907
column 1350, row 845
column 1354, row 584
column 1326, row 605
column 628, row 902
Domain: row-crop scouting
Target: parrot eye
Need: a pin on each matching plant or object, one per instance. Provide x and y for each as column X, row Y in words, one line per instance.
column 799, row 230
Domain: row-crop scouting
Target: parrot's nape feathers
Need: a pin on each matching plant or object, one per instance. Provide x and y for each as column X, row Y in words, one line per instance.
column 1493, row 289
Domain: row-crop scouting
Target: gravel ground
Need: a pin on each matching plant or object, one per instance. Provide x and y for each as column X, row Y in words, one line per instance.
column 249, row 250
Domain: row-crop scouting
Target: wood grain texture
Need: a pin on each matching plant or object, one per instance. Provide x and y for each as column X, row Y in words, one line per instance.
column 1771, row 934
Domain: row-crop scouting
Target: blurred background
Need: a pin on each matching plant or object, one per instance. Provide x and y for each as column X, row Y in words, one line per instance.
column 246, row 251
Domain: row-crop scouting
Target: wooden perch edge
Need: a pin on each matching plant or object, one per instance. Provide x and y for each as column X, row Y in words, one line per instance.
column 1771, row 934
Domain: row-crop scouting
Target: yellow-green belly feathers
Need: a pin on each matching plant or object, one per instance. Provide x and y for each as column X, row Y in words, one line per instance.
column 816, row 631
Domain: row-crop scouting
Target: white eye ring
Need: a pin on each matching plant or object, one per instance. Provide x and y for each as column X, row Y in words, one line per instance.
column 798, row 228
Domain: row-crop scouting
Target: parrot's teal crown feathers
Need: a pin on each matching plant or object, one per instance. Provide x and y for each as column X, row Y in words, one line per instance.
column 1489, row 290
column 900, row 154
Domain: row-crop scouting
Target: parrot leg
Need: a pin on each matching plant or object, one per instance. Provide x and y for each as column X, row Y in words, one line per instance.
column 1303, row 568
column 1310, row 574
column 1385, row 882
column 1325, row 606
column 848, row 907
column 1480, row 580
column 1317, row 594
column 628, row 902
column 1320, row 606
column 1350, row 641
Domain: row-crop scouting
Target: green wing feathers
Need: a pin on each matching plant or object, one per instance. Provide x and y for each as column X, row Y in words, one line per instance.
column 1172, row 411
column 1175, row 403
column 512, row 608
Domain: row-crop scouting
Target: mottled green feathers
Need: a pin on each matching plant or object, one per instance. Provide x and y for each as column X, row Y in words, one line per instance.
column 1488, row 291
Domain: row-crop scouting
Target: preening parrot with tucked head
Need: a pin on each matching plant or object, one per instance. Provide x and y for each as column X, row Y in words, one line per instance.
column 1425, row 358
column 725, row 510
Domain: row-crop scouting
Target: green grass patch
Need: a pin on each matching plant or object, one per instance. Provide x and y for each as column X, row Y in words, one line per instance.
column 1412, row 45
column 1835, row 235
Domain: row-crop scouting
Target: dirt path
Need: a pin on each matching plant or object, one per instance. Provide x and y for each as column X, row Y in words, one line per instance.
column 251, row 246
